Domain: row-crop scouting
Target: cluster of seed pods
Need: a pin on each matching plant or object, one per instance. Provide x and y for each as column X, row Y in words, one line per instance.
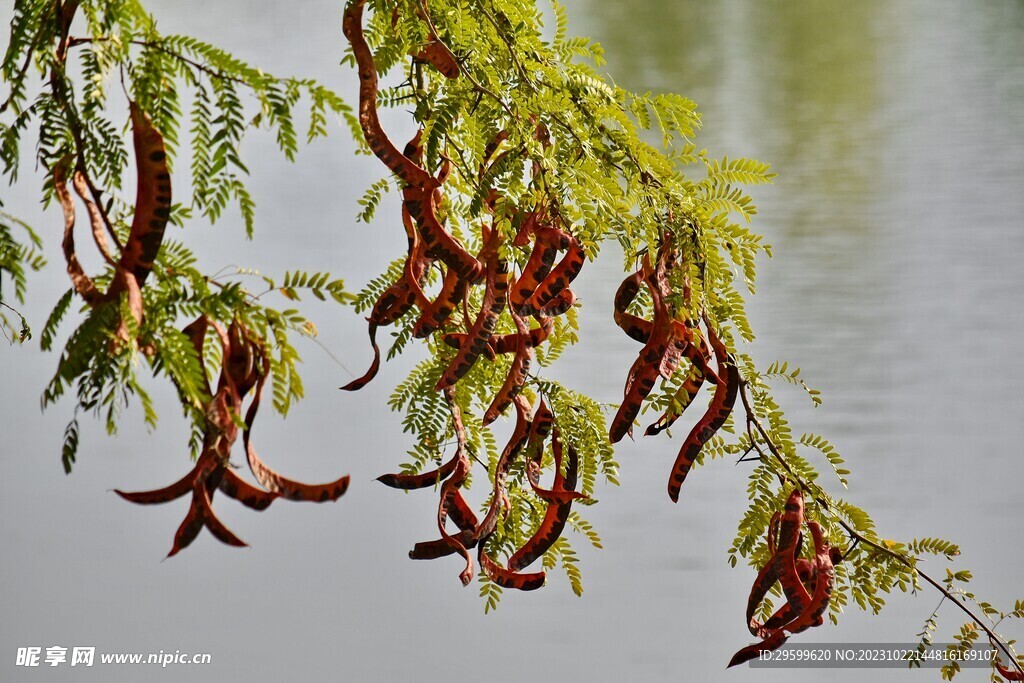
column 667, row 341
column 245, row 368
column 528, row 440
column 540, row 293
column 245, row 364
column 806, row 584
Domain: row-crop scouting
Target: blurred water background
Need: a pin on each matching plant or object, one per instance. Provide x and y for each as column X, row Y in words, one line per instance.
column 897, row 130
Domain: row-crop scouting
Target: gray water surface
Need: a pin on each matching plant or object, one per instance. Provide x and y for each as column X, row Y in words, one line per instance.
column 897, row 130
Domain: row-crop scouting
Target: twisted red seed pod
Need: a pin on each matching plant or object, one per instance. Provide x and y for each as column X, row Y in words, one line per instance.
column 152, row 197
column 556, row 515
column 718, row 412
column 271, row 480
column 486, row 320
column 411, row 173
column 516, row 375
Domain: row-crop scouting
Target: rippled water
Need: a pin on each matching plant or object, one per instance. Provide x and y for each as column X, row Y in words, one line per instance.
column 898, row 133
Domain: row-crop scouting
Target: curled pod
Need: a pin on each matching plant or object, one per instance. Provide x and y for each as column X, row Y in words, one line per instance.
column 436, row 314
column 152, row 197
column 437, row 54
column 245, row 493
column 125, row 282
column 681, row 400
column 565, row 300
column 379, row 143
column 813, row 615
column 81, row 282
column 409, row 482
column 241, row 361
column 460, row 512
column 99, row 234
column 499, row 495
column 635, row 327
column 644, row 372
column 766, row 578
column 360, row 382
column 404, row 293
column 494, row 299
column 394, row 302
column 291, row 489
column 271, row 480
column 538, row 335
column 455, row 544
column 450, row 488
column 506, row 578
column 718, row 412
column 516, row 375
column 442, row 547
column 163, row 495
column 200, row 513
column 699, row 354
column 556, row 515
column 772, row 642
column 824, row 584
column 560, row 277
column 223, row 409
column 457, row 509
column 789, row 544
column 439, row 242
column 540, row 427
column 537, row 267
column 783, row 565
column 417, row 263
column 639, row 383
column 674, row 352
column 1004, row 671
column 210, row 520
column 188, row 530
column 669, row 352
column 453, row 291
column 389, row 306
column 808, row 574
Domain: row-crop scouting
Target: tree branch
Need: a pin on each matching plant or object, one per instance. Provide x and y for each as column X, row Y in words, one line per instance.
column 855, row 535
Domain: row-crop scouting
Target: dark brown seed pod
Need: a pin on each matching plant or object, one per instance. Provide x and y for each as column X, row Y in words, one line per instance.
column 385, row 150
column 152, row 197
column 718, row 412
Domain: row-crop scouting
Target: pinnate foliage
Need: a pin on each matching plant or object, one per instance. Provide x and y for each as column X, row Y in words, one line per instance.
column 599, row 170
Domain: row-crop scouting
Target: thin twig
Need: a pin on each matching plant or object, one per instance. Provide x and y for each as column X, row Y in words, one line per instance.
column 209, row 71
column 60, row 94
column 24, row 323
